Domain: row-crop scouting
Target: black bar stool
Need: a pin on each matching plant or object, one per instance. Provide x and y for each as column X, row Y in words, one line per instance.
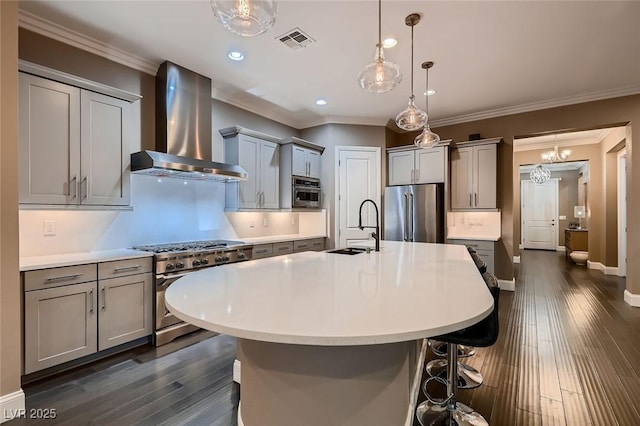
column 448, row 411
column 468, row 377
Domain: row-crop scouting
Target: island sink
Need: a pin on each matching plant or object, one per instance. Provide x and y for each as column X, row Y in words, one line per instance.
column 348, row 250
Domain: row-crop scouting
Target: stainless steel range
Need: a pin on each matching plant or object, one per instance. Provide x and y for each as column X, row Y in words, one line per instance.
column 173, row 261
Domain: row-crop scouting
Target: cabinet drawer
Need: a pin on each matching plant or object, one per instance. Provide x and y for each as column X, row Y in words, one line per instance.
column 476, row 244
column 283, row 248
column 121, row 268
column 318, row 244
column 302, row 245
column 262, row 250
column 56, row 277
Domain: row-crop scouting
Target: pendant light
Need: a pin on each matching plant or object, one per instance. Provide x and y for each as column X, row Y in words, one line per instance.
column 381, row 75
column 540, row 174
column 247, row 18
column 411, row 118
column 427, row 138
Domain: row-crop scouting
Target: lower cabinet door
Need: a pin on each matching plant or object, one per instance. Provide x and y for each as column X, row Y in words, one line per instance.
column 60, row 325
column 125, row 309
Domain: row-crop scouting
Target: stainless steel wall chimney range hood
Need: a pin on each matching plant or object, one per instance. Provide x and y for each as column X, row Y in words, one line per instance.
column 183, row 130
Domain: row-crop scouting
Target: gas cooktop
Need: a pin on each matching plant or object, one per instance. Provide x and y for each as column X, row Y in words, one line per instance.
column 191, row 246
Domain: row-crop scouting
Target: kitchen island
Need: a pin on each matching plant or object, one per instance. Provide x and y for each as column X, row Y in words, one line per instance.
column 334, row 339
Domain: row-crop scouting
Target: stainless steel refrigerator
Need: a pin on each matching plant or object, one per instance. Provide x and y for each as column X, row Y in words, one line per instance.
column 414, row 213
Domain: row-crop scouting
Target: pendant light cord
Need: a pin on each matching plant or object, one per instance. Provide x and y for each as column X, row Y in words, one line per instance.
column 427, row 92
column 379, row 23
column 412, row 25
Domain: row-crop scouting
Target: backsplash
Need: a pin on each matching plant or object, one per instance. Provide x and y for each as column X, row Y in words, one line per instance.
column 473, row 224
column 164, row 210
column 266, row 224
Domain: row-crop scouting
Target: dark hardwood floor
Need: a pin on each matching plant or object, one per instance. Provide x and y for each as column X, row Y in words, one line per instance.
column 568, row 354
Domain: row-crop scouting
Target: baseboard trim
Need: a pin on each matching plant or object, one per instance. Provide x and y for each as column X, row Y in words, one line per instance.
column 560, row 248
column 632, row 299
column 12, row 406
column 607, row 270
column 611, row 270
column 516, row 259
column 236, row 371
column 508, row 285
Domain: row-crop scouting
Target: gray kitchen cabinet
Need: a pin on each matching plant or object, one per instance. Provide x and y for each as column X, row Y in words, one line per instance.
column 74, row 145
column 74, row 311
column 413, row 165
column 258, row 154
column 60, row 325
column 474, row 175
column 125, row 309
column 304, row 161
column 285, row 247
column 261, row 251
column 315, row 244
column 485, row 249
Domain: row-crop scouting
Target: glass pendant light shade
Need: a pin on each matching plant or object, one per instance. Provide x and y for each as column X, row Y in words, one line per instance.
column 381, row 75
column 540, row 174
column 412, row 118
column 246, row 18
column 427, row 138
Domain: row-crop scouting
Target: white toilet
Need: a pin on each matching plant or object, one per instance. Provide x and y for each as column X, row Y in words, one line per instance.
column 579, row 257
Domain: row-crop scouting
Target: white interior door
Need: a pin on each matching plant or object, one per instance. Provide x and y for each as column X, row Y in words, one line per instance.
column 357, row 178
column 622, row 213
column 539, row 213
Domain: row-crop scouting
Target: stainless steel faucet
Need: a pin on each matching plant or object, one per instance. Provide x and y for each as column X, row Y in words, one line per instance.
column 376, row 234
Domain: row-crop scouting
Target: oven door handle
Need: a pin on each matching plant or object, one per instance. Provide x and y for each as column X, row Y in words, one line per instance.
column 161, row 279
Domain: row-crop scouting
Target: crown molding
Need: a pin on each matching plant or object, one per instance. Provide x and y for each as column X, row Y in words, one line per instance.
column 535, row 106
column 518, row 147
column 57, row 32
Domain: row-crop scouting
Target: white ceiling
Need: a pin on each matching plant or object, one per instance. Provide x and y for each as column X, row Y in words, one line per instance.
column 491, row 58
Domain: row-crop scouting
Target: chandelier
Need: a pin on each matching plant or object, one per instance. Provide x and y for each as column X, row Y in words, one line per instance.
column 427, row 138
column 540, row 174
column 412, row 118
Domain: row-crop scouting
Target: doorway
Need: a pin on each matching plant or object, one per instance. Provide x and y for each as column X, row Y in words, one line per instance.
column 539, row 212
column 357, row 178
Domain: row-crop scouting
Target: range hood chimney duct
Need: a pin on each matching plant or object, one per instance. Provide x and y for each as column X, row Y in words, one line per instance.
column 183, row 130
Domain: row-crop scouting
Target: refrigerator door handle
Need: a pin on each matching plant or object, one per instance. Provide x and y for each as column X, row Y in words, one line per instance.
column 411, row 217
column 406, row 214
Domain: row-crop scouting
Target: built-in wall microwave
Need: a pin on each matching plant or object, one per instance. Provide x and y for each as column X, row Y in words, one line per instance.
column 305, row 192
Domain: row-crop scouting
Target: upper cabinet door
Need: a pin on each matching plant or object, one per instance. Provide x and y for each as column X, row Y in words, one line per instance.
column 248, row 150
column 401, row 168
column 299, row 165
column 485, row 182
column 49, row 126
column 270, row 176
column 429, row 165
column 313, row 158
column 461, row 178
column 106, row 138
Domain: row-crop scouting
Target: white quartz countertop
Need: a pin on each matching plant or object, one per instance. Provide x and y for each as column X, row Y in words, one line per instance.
column 56, row 260
column 279, row 238
column 473, row 237
column 406, row 291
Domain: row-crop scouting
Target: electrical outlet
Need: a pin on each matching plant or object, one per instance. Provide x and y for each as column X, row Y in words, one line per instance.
column 49, row 228
column 265, row 222
column 562, row 218
column 475, row 221
column 293, row 220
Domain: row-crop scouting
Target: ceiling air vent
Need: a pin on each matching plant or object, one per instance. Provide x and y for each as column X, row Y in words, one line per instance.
column 295, row 39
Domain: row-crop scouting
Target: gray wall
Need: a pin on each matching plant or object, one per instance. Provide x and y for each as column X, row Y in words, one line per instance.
column 332, row 135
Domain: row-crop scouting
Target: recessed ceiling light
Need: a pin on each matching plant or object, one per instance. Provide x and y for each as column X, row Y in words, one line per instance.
column 321, row 102
column 235, row 56
column 388, row 43
column 430, row 92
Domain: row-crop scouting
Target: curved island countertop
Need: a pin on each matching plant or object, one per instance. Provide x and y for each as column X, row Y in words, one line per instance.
column 331, row 339
column 407, row 291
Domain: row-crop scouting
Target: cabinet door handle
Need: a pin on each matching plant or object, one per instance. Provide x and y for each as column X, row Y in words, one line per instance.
column 475, row 198
column 126, row 268
column 284, row 248
column 104, row 298
column 63, row 277
column 86, row 187
column 417, row 175
column 412, row 174
column 74, row 186
column 260, row 251
column 91, row 302
column 470, row 203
